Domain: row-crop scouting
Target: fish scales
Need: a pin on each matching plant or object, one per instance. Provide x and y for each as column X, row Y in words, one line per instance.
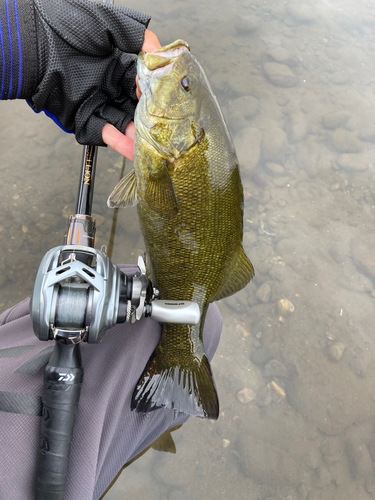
column 187, row 185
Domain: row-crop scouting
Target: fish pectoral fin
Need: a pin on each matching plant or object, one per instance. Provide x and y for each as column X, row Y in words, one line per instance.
column 125, row 193
column 160, row 194
column 241, row 272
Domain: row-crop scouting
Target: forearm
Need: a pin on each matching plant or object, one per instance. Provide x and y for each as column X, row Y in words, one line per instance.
column 18, row 49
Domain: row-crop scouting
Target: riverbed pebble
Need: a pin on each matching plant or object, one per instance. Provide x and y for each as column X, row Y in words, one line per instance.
column 280, row 75
column 353, row 161
column 281, row 55
column 247, row 143
column 335, row 120
column 274, row 145
column 263, row 293
column 261, row 356
column 345, row 141
column 246, row 395
column 301, row 12
column 362, row 251
column 285, row 306
column 336, row 350
column 275, row 368
column 275, row 168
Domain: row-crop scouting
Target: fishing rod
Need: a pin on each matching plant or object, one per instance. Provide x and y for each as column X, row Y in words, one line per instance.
column 78, row 294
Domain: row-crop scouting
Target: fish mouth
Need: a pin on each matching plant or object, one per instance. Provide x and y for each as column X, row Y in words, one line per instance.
column 158, row 63
column 164, row 56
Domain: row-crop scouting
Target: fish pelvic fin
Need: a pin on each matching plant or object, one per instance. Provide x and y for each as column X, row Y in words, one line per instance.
column 189, row 389
column 125, row 193
column 241, row 272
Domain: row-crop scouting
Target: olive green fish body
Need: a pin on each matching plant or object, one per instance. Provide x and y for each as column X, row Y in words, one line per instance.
column 190, row 209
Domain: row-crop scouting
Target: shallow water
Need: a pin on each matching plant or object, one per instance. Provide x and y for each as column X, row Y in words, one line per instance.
column 296, row 83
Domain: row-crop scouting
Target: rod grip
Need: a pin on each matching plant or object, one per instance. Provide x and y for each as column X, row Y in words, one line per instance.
column 62, row 389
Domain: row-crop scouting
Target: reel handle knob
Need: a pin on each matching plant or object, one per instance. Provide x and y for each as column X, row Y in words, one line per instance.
column 174, row 311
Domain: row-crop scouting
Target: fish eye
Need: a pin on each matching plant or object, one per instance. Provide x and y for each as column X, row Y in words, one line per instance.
column 185, row 83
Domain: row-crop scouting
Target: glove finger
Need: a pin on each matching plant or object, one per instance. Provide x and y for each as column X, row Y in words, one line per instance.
column 94, row 28
column 95, row 112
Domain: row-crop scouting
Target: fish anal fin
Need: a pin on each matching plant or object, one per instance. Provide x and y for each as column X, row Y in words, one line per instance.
column 165, row 441
column 125, row 193
column 241, row 272
column 188, row 389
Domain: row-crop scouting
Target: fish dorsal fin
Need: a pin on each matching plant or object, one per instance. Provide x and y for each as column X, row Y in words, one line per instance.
column 125, row 193
column 241, row 272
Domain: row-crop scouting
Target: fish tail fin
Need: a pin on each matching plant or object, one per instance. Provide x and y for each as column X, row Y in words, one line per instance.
column 189, row 388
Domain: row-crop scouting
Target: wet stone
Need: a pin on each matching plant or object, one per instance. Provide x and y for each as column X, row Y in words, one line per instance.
column 340, row 78
column 241, row 111
column 247, row 24
column 263, row 293
column 247, row 105
column 261, row 356
column 42, row 228
column 301, row 12
column 370, row 485
column 275, row 368
column 200, row 471
column 245, row 395
column 264, row 397
column 353, row 161
column 345, row 141
column 275, row 168
column 324, row 477
column 367, row 135
column 335, row 120
column 332, row 449
column 274, row 144
column 333, row 53
column 247, row 143
column 281, row 181
column 362, row 250
column 281, row 55
column 336, row 351
column 296, row 127
column 280, row 75
column 284, row 306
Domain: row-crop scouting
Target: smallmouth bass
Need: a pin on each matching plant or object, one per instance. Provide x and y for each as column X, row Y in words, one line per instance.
column 189, row 196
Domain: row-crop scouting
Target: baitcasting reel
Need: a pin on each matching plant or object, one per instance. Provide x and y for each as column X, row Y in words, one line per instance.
column 79, row 293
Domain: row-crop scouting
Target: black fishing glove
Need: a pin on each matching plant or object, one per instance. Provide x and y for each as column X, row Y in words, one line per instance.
column 73, row 59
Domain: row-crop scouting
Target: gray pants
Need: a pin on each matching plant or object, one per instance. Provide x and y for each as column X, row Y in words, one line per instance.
column 107, row 433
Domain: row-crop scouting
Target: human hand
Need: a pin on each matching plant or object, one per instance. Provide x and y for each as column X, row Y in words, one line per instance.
column 124, row 143
column 87, row 77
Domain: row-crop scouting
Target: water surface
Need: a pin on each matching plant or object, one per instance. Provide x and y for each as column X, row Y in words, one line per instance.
column 295, row 378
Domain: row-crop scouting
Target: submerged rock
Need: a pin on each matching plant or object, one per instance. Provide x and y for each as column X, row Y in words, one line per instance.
column 263, row 293
column 336, row 350
column 261, row 356
column 345, row 142
column 284, row 306
column 280, row 75
column 353, row 161
column 301, row 12
column 246, row 395
column 335, row 120
column 362, row 250
column 247, row 143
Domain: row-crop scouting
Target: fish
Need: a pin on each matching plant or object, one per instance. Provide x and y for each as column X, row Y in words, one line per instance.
column 187, row 187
